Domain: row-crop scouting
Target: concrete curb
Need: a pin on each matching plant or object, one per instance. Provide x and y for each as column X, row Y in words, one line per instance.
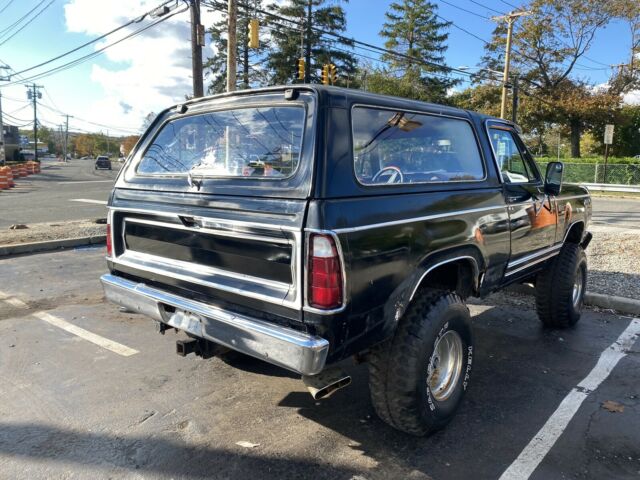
column 621, row 304
column 34, row 247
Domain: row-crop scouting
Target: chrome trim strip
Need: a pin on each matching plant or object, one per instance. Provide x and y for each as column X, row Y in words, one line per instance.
column 476, row 271
column 288, row 348
column 210, row 231
column 206, row 283
column 417, row 219
column 220, row 221
column 531, row 264
column 134, row 257
column 531, row 256
column 573, row 196
column 345, row 301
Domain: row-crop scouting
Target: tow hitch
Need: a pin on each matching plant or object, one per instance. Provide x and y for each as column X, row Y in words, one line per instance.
column 201, row 347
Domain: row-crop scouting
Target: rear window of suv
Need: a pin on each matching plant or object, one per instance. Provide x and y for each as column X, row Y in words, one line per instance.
column 394, row 146
column 245, row 142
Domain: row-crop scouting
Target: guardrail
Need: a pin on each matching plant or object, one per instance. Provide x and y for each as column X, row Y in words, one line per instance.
column 608, row 187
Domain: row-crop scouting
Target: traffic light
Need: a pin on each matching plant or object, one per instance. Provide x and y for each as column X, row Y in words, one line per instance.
column 301, row 65
column 333, row 74
column 254, row 33
column 325, row 74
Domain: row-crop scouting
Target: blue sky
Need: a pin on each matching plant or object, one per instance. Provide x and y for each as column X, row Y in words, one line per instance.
column 152, row 71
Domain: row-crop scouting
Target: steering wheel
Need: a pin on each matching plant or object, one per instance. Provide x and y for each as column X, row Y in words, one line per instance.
column 394, row 173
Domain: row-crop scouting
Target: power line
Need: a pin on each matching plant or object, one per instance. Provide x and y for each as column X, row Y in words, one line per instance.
column 97, row 39
column 17, row 22
column 96, row 53
column 464, row 9
column 488, row 8
column 27, row 23
column 7, row 5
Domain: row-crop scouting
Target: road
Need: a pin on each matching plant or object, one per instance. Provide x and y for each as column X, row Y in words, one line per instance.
column 70, row 191
column 75, row 191
column 617, row 212
column 73, row 405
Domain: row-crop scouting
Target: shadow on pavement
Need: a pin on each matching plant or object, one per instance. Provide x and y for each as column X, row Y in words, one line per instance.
column 104, row 453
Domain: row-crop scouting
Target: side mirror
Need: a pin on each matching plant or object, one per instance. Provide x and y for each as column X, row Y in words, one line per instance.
column 553, row 178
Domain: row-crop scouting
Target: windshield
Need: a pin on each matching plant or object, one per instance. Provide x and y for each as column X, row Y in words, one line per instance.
column 246, row 142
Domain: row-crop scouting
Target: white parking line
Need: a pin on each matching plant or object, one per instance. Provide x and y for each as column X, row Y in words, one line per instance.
column 86, row 335
column 539, row 446
column 89, row 200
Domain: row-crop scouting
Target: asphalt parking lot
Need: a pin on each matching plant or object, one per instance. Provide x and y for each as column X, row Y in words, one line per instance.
column 90, row 392
column 62, row 191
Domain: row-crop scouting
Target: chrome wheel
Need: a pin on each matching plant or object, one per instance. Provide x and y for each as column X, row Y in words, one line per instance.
column 445, row 366
column 577, row 288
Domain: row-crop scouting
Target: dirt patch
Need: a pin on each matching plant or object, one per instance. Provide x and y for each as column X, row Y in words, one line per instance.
column 614, row 264
column 41, row 232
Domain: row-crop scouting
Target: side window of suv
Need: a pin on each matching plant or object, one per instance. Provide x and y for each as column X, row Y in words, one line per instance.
column 514, row 168
column 394, row 146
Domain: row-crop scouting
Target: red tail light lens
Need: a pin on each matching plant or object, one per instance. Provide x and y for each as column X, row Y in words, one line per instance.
column 325, row 275
column 109, row 245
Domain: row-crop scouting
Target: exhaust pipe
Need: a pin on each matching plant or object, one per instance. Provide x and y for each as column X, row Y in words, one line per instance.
column 326, row 382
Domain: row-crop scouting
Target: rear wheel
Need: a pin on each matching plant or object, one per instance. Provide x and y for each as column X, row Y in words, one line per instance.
column 418, row 378
column 561, row 286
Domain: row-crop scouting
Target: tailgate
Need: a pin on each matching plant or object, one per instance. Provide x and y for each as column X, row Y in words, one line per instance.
column 243, row 253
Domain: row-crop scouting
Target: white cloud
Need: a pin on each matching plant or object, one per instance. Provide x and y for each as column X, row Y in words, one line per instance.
column 632, row 98
column 146, row 73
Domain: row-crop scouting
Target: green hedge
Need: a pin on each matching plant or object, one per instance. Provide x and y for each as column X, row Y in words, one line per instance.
column 626, row 174
column 612, row 160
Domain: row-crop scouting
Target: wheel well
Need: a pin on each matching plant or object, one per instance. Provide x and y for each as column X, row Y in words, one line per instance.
column 574, row 235
column 459, row 275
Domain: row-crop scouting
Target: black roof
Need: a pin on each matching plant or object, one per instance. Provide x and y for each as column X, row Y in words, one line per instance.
column 338, row 95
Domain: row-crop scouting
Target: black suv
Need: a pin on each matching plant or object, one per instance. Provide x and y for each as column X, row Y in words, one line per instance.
column 303, row 225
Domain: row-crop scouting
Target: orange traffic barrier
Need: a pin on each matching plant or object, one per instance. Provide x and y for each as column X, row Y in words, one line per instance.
column 37, row 169
column 22, row 170
column 9, row 176
column 4, row 179
column 15, row 170
column 31, row 167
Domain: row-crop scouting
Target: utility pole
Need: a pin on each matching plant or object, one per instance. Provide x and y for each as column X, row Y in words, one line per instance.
column 3, row 159
column 515, row 99
column 34, row 94
column 66, row 137
column 307, row 67
column 510, row 18
column 197, row 42
column 232, row 45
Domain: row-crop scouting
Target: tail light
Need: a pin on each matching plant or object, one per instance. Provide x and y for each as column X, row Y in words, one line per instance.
column 324, row 288
column 109, row 245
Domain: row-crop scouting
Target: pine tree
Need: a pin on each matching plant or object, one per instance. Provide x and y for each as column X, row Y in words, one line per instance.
column 250, row 72
column 290, row 43
column 412, row 28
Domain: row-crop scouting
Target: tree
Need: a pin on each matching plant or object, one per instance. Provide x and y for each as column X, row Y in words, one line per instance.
column 250, row 71
column 85, row 144
column 546, row 47
column 290, row 42
column 413, row 30
column 128, row 143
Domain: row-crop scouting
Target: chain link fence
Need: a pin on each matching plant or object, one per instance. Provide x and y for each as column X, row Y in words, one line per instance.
column 618, row 174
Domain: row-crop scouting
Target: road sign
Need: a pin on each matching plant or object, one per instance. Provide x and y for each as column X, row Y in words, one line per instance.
column 608, row 134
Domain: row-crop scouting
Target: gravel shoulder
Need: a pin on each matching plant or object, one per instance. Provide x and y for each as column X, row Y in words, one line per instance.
column 614, row 263
column 41, row 232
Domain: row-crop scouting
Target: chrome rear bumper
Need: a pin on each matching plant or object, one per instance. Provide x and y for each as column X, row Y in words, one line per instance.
column 296, row 351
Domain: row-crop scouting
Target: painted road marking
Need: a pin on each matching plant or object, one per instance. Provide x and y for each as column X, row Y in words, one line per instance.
column 87, row 181
column 86, row 335
column 539, row 446
column 89, row 200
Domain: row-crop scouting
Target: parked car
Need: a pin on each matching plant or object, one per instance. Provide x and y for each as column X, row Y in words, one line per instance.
column 305, row 225
column 102, row 162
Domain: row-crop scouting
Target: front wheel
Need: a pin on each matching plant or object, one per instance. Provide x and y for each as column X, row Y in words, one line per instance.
column 561, row 286
column 418, row 378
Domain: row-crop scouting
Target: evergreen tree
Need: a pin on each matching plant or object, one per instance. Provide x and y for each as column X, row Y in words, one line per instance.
column 290, row 43
column 251, row 71
column 412, row 28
